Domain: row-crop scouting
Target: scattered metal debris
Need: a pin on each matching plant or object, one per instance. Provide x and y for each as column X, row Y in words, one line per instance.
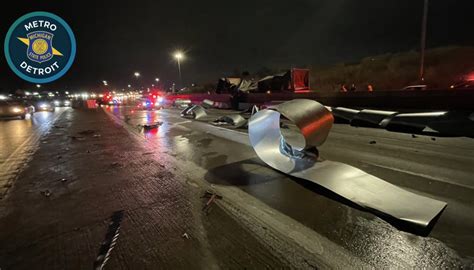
column 194, row 112
column 207, row 103
column 212, row 197
column 46, row 193
column 96, row 135
column 77, row 138
column 151, row 126
column 116, row 164
column 372, row 118
column 235, row 120
column 314, row 122
column 254, row 110
column 63, row 180
column 413, row 122
column 342, row 114
column 110, row 240
column 185, row 235
column 182, row 103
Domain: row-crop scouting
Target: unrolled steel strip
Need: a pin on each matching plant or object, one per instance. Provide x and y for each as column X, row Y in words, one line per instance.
column 314, row 122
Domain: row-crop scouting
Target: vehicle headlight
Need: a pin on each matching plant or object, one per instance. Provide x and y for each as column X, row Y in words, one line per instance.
column 159, row 99
column 57, row 103
column 17, row 110
column 67, row 102
column 44, row 106
column 144, row 103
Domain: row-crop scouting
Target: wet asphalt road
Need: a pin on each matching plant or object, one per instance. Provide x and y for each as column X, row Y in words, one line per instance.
column 265, row 219
column 18, row 139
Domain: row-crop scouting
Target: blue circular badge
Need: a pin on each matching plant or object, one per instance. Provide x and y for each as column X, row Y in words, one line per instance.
column 40, row 47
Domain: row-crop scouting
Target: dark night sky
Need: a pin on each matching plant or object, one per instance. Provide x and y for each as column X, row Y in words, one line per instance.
column 116, row 38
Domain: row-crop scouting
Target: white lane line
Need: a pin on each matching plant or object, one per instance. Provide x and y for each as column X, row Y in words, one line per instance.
column 16, row 162
column 434, row 178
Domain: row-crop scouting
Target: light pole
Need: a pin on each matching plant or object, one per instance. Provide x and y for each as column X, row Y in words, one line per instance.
column 137, row 75
column 423, row 40
column 179, row 56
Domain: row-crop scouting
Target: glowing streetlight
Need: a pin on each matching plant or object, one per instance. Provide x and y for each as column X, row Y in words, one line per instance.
column 136, row 74
column 157, row 79
column 38, row 85
column 105, row 83
column 178, row 55
column 129, row 86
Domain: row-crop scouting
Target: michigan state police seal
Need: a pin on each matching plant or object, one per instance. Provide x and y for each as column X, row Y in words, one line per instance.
column 40, row 47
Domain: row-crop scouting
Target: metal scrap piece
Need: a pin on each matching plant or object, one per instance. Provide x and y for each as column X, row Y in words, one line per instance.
column 372, row 118
column 413, row 121
column 207, row 103
column 314, row 122
column 194, row 112
column 344, row 114
column 234, row 120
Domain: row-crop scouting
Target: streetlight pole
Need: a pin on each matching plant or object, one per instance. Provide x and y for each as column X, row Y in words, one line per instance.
column 423, row 40
column 179, row 68
column 178, row 56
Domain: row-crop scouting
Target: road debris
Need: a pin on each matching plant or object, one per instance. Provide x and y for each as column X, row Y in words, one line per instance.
column 194, row 112
column 151, row 126
column 86, row 132
column 96, row 135
column 314, row 122
column 77, row 138
column 63, row 180
column 185, row 235
column 433, row 139
column 110, row 240
column 212, row 197
column 116, row 164
column 46, row 193
column 414, row 136
column 235, row 120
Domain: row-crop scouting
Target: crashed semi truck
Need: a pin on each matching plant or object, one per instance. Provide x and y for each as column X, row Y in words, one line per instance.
column 294, row 80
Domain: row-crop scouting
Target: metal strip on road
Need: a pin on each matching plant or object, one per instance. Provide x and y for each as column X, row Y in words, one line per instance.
column 232, row 120
column 194, row 112
column 314, row 122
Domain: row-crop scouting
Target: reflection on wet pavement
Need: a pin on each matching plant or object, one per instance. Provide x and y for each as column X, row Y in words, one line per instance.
column 18, row 142
column 233, row 164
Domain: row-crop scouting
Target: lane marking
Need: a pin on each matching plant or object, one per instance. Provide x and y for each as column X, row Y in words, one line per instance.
column 434, row 178
column 17, row 161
